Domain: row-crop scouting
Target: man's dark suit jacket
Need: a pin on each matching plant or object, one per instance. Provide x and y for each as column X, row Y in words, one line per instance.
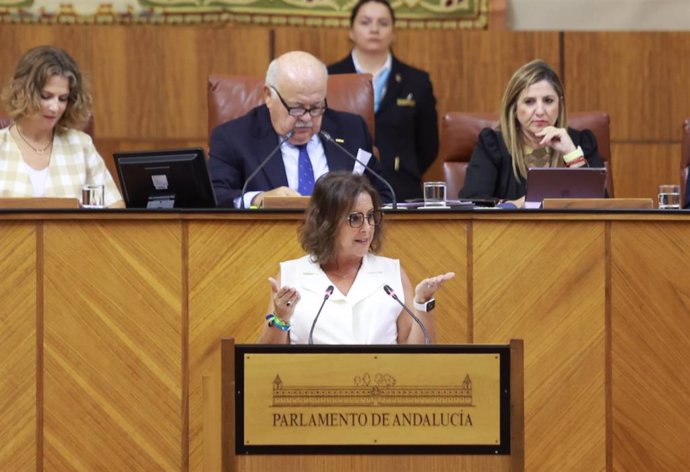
column 406, row 126
column 238, row 147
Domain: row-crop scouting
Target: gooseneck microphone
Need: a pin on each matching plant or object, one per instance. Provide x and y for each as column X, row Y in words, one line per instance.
column 392, row 294
column 330, row 139
column 287, row 136
column 329, row 292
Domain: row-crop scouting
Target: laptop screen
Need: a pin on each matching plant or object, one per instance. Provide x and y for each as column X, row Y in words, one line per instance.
column 561, row 182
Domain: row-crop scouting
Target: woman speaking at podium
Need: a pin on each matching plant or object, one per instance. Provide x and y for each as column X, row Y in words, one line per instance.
column 41, row 152
column 342, row 292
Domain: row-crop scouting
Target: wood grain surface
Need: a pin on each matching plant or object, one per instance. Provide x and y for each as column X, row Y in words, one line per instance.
column 131, row 308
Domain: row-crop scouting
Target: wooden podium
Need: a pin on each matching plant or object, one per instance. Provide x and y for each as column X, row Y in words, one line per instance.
column 365, row 408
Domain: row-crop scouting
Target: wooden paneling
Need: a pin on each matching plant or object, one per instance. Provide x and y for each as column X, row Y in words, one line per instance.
column 149, row 82
column 113, row 341
column 640, row 79
column 374, row 463
column 545, row 284
column 651, row 346
column 18, row 361
column 134, row 306
column 470, row 69
column 640, row 168
column 126, row 82
column 328, row 44
column 225, row 267
column 420, row 258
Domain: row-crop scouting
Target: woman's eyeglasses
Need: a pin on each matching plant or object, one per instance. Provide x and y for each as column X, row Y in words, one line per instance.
column 356, row 219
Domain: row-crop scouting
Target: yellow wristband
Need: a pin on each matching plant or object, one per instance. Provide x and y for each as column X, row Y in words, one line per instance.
column 575, row 158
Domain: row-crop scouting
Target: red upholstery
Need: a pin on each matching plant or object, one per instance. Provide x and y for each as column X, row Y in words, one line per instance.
column 230, row 97
column 685, row 156
column 460, row 130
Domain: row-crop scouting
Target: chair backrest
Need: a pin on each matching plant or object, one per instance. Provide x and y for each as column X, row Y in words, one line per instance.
column 460, row 130
column 5, row 121
column 230, row 97
column 685, row 156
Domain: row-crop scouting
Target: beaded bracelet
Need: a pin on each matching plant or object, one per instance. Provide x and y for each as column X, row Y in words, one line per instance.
column 273, row 320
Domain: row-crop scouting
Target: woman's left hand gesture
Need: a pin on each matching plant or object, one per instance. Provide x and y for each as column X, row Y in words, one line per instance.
column 426, row 288
column 557, row 139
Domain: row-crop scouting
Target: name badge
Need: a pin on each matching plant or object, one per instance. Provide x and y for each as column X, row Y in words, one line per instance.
column 406, row 102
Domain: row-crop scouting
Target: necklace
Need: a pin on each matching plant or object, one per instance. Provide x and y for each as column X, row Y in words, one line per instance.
column 36, row 150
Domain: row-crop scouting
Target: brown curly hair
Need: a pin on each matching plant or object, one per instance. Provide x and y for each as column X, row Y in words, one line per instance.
column 333, row 198
column 22, row 95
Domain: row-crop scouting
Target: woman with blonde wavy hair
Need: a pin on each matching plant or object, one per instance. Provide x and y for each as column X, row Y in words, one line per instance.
column 532, row 132
column 42, row 152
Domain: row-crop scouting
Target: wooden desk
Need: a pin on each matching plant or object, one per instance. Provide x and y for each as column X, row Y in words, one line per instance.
column 110, row 321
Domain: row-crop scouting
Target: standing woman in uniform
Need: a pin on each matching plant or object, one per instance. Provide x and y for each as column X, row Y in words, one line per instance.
column 404, row 102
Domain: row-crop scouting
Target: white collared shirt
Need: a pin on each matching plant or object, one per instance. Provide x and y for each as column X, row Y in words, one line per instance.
column 365, row 315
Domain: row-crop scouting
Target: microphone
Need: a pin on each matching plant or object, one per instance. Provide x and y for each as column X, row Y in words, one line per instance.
column 329, row 292
column 330, row 139
column 392, row 294
column 287, row 136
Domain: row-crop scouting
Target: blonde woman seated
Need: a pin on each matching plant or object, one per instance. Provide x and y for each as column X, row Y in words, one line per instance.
column 342, row 232
column 41, row 153
column 532, row 132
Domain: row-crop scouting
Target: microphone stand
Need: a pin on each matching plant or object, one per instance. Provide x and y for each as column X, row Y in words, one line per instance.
column 330, row 139
column 261, row 166
column 392, row 294
column 329, row 292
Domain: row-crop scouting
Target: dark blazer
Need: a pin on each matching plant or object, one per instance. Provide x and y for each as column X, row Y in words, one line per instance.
column 406, row 126
column 490, row 170
column 238, row 147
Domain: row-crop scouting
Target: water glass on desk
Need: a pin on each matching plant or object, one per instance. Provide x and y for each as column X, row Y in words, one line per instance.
column 93, row 196
column 435, row 195
column 669, row 197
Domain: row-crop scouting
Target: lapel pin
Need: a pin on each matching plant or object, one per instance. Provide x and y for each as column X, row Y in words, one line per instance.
column 398, row 79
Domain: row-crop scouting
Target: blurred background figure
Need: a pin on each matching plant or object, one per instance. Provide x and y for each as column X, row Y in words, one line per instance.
column 532, row 132
column 404, row 102
column 341, row 233
column 42, row 151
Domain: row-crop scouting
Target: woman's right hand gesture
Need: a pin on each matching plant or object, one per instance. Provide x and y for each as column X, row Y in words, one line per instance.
column 285, row 299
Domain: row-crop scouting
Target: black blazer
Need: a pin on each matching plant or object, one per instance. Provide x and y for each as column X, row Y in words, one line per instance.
column 406, row 126
column 490, row 170
column 238, row 146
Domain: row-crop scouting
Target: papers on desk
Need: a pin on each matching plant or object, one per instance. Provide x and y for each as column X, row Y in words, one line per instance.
column 418, row 205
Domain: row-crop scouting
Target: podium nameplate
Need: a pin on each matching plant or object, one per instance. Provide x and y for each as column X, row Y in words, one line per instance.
column 372, row 399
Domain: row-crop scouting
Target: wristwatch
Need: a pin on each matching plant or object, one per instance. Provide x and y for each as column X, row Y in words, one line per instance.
column 426, row 306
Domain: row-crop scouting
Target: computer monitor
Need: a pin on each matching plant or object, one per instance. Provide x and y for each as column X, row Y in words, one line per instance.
column 172, row 178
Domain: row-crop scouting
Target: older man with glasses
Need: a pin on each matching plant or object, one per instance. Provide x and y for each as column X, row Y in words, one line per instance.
column 294, row 111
